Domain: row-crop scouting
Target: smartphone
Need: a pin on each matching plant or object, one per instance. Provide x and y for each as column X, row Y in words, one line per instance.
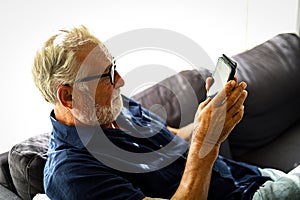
column 224, row 72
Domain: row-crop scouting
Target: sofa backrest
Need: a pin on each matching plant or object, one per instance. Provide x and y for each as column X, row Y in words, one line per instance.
column 176, row 98
column 272, row 71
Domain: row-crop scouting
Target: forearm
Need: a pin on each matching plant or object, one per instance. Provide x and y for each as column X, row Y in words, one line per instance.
column 196, row 177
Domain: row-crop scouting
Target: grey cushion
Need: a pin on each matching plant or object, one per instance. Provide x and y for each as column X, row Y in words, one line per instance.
column 283, row 153
column 6, row 194
column 176, row 98
column 5, row 177
column 272, row 71
column 26, row 165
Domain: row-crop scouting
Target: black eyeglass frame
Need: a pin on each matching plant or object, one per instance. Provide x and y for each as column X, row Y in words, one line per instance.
column 111, row 75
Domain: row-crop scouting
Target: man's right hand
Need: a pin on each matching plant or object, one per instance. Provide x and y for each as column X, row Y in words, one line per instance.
column 215, row 118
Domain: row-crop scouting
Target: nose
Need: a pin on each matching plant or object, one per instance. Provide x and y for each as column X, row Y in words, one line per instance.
column 119, row 81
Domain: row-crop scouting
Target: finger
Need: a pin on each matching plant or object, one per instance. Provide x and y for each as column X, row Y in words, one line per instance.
column 236, row 79
column 209, row 82
column 221, row 96
column 237, row 106
column 201, row 107
column 238, row 116
column 204, row 103
column 235, row 95
column 233, row 120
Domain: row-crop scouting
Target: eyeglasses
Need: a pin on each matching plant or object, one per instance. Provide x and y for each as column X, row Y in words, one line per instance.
column 111, row 75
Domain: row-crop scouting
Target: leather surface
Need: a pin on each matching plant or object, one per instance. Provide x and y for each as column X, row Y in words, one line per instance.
column 272, row 71
column 282, row 153
column 26, row 164
column 6, row 194
column 176, row 98
column 5, row 177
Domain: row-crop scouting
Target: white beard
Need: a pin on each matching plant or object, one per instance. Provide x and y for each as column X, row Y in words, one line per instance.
column 107, row 115
column 97, row 114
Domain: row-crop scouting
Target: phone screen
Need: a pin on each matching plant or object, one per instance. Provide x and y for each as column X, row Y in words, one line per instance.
column 222, row 74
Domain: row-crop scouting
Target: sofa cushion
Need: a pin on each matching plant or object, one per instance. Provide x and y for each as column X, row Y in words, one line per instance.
column 26, row 165
column 282, row 153
column 176, row 98
column 5, row 177
column 6, row 194
column 272, row 71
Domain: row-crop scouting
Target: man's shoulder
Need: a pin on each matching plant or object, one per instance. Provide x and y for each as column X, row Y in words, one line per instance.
column 65, row 167
column 71, row 158
column 73, row 175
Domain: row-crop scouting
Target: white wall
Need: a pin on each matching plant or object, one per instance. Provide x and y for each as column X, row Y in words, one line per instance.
column 266, row 18
column 218, row 26
column 298, row 21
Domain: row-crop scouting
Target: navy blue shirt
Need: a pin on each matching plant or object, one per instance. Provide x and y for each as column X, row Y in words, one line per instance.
column 145, row 160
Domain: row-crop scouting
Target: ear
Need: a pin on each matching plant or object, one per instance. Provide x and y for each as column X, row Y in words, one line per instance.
column 64, row 95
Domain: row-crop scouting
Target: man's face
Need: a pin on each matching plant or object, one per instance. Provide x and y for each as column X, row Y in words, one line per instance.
column 96, row 100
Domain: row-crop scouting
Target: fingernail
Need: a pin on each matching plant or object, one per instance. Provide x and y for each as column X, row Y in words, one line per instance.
column 244, row 85
column 232, row 83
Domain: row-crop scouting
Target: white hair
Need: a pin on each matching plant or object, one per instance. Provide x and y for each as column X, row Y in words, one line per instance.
column 56, row 64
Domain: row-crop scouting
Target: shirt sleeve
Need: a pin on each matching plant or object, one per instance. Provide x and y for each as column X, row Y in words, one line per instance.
column 89, row 181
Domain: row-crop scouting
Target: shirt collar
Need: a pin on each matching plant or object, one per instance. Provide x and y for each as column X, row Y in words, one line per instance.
column 69, row 134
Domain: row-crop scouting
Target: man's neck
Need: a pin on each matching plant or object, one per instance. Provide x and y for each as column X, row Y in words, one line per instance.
column 64, row 116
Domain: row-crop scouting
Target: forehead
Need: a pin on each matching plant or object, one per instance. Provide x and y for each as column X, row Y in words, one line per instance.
column 93, row 59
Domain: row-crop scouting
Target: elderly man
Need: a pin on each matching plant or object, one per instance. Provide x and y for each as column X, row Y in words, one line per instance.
column 96, row 142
